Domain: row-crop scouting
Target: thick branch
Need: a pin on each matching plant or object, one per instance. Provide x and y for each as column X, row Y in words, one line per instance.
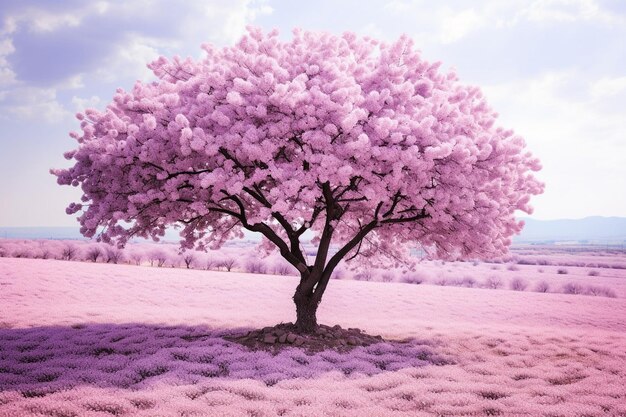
column 227, row 155
column 396, row 199
column 337, row 257
column 353, row 186
column 257, row 194
column 280, row 244
column 327, row 233
column 294, row 257
column 294, row 237
column 422, row 215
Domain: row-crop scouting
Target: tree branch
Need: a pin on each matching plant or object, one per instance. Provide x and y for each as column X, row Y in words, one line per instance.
column 396, row 199
column 293, row 256
column 294, row 237
column 337, row 257
column 422, row 215
column 325, row 239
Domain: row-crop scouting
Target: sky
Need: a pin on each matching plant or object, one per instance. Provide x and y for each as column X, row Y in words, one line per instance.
column 554, row 70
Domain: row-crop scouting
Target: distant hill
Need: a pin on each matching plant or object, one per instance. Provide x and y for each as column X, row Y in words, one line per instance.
column 73, row 233
column 588, row 230
column 40, row 233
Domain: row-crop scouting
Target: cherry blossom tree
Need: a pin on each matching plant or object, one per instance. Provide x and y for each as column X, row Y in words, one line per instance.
column 366, row 144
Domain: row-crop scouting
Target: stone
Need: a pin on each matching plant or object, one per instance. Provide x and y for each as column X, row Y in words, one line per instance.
column 336, row 327
column 299, row 341
column 352, row 341
column 282, row 338
column 291, row 337
column 343, row 342
column 269, row 339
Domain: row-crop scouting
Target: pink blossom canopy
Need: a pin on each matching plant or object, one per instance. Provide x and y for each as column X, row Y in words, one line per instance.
column 325, row 133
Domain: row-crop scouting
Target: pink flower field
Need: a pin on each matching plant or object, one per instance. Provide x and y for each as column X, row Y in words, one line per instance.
column 92, row 339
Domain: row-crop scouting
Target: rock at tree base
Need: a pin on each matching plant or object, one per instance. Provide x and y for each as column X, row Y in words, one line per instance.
column 286, row 335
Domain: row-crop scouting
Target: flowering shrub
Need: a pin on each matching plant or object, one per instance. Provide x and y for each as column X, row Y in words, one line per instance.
column 388, row 277
column 492, row 282
column 602, row 291
column 518, row 284
column 414, row 277
column 468, row 282
column 573, row 288
column 189, row 259
column 227, row 263
column 542, row 286
column 113, row 255
column 168, row 255
column 254, row 266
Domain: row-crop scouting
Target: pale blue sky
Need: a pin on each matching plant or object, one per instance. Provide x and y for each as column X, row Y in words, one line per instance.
column 555, row 70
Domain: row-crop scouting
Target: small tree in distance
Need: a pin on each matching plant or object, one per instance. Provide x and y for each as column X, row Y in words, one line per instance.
column 365, row 144
column 188, row 259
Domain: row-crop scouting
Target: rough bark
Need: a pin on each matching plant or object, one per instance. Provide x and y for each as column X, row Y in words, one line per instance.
column 306, row 311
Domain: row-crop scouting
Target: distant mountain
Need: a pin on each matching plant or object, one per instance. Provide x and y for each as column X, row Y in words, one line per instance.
column 588, row 230
column 57, row 233
column 40, row 233
column 73, row 233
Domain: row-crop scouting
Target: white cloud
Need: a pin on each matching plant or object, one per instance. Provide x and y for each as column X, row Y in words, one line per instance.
column 219, row 21
column 73, row 83
column 399, row 6
column 7, row 75
column 608, row 87
column 438, row 23
column 568, row 11
column 581, row 144
column 130, row 60
column 6, row 47
column 38, row 19
column 455, row 26
column 227, row 19
column 80, row 104
column 32, row 103
column 441, row 23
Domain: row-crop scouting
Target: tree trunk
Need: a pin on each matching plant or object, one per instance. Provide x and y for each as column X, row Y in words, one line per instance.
column 306, row 312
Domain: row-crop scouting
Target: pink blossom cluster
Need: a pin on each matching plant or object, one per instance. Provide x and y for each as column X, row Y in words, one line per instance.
column 276, row 135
